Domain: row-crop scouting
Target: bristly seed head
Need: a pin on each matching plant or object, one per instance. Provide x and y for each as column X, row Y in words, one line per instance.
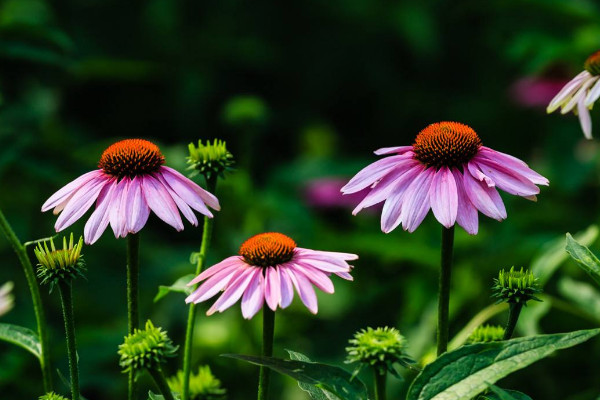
column 268, row 249
column 56, row 264
column 592, row 64
column 515, row 286
column 131, row 158
column 449, row 144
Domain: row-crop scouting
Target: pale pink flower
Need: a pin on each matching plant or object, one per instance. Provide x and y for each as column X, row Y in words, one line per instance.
column 131, row 181
column 268, row 269
column 448, row 170
column 580, row 94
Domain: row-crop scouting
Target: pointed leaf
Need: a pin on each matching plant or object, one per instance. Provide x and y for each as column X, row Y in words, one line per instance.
column 315, row 393
column 584, row 257
column 21, row 336
column 180, row 286
column 467, row 371
column 501, row 394
column 328, row 377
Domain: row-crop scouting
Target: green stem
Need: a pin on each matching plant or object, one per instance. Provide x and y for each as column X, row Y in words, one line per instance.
column 66, row 299
column 380, row 378
column 133, row 293
column 211, row 185
column 267, row 351
column 38, row 308
column 514, row 310
column 161, row 382
column 444, row 289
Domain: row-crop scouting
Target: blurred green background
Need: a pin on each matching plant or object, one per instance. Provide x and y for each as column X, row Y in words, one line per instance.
column 303, row 92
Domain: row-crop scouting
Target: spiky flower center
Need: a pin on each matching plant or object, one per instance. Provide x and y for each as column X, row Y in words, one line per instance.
column 449, row 144
column 592, row 64
column 131, row 158
column 375, row 346
column 268, row 249
column 145, row 348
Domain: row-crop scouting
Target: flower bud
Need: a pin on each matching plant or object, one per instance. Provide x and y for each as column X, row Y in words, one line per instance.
column 210, row 159
column 52, row 396
column 486, row 333
column 145, row 348
column 57, row 265
column 203, row 385
column 515, row 286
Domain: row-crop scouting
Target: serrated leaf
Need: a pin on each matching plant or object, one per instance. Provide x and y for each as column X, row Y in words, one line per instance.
column 584, row 258
column 179, row 286
column 331, row 378
column 467, row 371
column 501, row 394
column 315, row 393
column 22, row 337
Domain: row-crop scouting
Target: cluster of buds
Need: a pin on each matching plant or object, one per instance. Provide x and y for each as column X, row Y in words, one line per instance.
column 486, row 333
column 146, row 348
column 59, row 265
column 210, row 160
column 515, row 287
column 378, row 348
column 203, row 385
column 52, row 396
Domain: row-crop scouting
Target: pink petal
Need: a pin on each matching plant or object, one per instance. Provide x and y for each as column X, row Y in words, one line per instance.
column 584, row 118
column 415, row 203
column 287, row 290
column 160, row 201
column 479, row 175
column 392, row 209
column 329, row 266
column 466, row 215
column 253, row 298
column 593, row 94
column 80, row 202
column 215, row 284
column 579, row 96
column 390, row 150
column 68, row 190
column 304, row 289
column 182, row 205
column 326, row 254
column 566, row 91
column 345, row 275
column 317, row 277
column 99, row 219
column 444, row 197
column 512, row 163
column 486, row 199
column 207, row 273
column 272, row 287
column 117, row 216
column 371, row 174
column 509, row 181
column 190, row 192
column 137, row 210
column 234, row 291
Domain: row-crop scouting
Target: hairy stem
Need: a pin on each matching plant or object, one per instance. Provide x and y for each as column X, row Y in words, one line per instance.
column 267, row 351
column 66, row 299
column 444, row 289
column 133, row 293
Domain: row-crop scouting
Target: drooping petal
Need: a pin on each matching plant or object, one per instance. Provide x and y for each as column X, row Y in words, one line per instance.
column 508, row 180
column 137, row 210
column 160, row 201
column 317, row 277
column 207, row 273
column 189, row 191
column 584, row 118
column 272, row 287
column 415, row 203
column 593, row 94
column 329, row 265
column 182, row 205
column 215, row 283
column 486, row 199
column 444, row 197
column 326, row 254
column 235, row 290
column 466, row 215
column 566, row 91
column 118, row 217
column 390, row 150
column 69, row 190
column 96, row 225
column 253, row 298
column 80, row 202
column 512, row 163
column 392, row 209
column 480, row 176
column 580, row 95
column 304, row 289
column 371, row 174
column 287, row 289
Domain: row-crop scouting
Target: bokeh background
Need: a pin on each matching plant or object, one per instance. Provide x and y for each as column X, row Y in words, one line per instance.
column 303, row 92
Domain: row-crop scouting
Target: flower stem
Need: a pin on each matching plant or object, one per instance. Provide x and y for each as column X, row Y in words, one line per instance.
column 38, row 308
column 514, row 310
column 444, row 289
column 66, row 299
column 161, row 382
column 133, row 292
column 211, row 185
column 267, row 351
column 380, row 378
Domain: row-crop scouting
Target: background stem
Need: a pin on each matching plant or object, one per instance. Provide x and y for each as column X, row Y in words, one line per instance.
column 211, row 185
column 444, row 289
column 161, row 382
column 133, row 293
column 66, row 299
column 514, row 310
column 38, row 308
column 380, row 379
column 267, row 351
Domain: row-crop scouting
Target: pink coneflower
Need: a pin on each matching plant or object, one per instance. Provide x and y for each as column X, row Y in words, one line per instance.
column 131, row 181
column 268, row 268
column 582, row 91
column 448, row 170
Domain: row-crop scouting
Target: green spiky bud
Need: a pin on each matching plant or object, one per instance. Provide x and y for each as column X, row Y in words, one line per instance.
column 486, row 333
column 52, row 396
column 57, row 265
column 145, row 348
column 203, row 385
column 515, row 286
column 210, row 159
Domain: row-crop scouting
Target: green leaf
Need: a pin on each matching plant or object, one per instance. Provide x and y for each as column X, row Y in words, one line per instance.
column 154, row 396
column 21, row 336
column 501, row 394
column 467, row 371
column 584, row 257
column 315, row 393
column 179, row 286
column 331, row 378
column 582, row 294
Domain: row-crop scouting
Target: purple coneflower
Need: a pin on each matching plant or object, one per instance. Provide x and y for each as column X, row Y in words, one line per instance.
column 581, row 92
column 131, row 181
column 268, row 269
column 448, row 170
